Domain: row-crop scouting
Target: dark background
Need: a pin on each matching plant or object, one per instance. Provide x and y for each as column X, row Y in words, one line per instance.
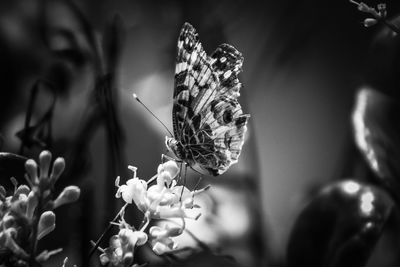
column 304, row 61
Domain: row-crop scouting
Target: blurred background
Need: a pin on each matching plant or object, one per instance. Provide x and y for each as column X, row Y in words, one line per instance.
column 304, row 61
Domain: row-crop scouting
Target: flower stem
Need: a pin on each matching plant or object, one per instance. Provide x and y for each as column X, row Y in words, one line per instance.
column 34, row 240
column 152, row 179
column 110, row 225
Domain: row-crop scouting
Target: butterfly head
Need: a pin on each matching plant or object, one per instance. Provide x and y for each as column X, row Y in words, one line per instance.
column 174, row 146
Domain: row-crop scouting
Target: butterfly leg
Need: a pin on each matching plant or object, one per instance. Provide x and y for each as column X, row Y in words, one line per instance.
column 165, row 158
column 184, row 182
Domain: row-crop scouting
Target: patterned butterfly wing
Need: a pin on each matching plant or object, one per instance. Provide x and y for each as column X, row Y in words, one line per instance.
column 193, row 78
column 224, row 116
column 208, row 120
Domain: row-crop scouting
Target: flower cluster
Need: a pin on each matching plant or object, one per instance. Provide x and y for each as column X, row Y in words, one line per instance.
column 26, row 215
column 378, row 13
column 122, row 246
column 163, row 200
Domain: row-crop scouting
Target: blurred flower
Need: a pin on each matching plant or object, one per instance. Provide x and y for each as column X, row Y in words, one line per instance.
column 363, row 7
column 8, row 237
column 161, row 237
column 368, row 22
column 121, row 250
column 21, row 223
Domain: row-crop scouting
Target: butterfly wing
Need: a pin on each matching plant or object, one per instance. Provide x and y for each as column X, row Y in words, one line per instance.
column 208, row 120
column 224, row 117
column 193, row 78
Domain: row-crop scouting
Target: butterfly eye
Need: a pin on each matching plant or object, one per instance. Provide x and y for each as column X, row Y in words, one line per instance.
column 227, row 116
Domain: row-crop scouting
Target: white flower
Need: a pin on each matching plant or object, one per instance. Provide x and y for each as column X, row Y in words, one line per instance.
column 163, row 200
column 161, row 238
column 122, row 247
column 166, row 172
column 135, row 190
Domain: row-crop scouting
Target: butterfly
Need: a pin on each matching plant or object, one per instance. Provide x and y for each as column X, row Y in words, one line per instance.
column 208, row 122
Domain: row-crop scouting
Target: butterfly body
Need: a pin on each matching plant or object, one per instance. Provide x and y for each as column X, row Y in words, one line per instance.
column 208, row 121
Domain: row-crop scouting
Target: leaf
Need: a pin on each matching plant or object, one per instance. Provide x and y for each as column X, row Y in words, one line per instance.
column 340, row 226
column 376, row 123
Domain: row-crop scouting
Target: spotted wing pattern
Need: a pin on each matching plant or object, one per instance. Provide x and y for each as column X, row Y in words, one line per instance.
column 207, row 118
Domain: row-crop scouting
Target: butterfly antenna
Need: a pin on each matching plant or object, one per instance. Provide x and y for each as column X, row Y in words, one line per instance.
column 138, row 100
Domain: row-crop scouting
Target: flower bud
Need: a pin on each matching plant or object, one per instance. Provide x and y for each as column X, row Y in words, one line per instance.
column 134, row 238
column 368, row 22
column 45, row 255
column 44, row 164
column 117, row 181
column 31, row 169
column 104, row 259
column 127, row 237
column 3, row 193
column 10, row 243
column 19, row 205
column 128, row 258
column 22, row 189
column 47, row 223
column 164, row 178
column 174, row 230
column 68, row 195
column 170, row 166
column 58, row 168
column 8, row 221
column 3, row 239
column 141, row 238
column 160, row 248
column 157, row 232
column 32, row 203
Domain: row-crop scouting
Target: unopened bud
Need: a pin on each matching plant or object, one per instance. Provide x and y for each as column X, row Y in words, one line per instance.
column 68, row 195
column 370, row 22
column 31, row 169
column 3, row 193
column 8, row 221
column 128, row 258
column 164, row 178
column 22, row 190
column 170, row 166
column 58, row 168
column 47, row 223
column 161, row 248
column 134, row 238
column 174, row 230
column 142, row 238
column 44, row 164
column 32, row 203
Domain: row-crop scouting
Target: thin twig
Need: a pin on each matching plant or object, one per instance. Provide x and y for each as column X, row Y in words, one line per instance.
column 110, row 225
